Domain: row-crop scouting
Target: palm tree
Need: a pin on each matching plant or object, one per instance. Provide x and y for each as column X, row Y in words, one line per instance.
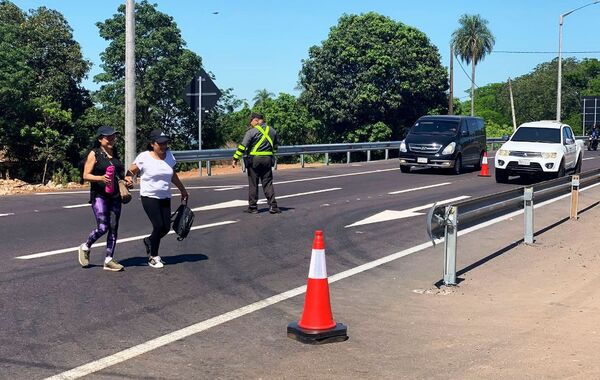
column 262, row 95
column 471, row 43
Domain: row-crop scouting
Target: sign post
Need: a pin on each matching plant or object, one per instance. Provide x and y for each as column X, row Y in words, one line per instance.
column 201, row 94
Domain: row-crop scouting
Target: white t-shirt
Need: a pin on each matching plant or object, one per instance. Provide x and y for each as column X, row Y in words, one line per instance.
column 155, row 175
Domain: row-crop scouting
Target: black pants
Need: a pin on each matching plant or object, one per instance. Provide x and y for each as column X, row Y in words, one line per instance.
column 259, row 169
column 159, row 213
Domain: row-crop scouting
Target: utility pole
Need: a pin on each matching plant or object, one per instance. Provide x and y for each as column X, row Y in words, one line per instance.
column 512, row 105
column 200, row 122
column 130, row 107
column 451, row 100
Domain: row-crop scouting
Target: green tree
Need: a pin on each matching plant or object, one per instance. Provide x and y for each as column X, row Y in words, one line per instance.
column 371, row 69
column 261, row 96
column 163, row 67
column 471, row 43
column 41, row 70
column 291, row 120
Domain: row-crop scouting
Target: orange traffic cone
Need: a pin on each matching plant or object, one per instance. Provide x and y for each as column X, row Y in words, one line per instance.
column 316, row 326
column 484, row 172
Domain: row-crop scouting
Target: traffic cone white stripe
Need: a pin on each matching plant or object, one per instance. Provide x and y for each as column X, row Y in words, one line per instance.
column 484, row 162
column 318, row 267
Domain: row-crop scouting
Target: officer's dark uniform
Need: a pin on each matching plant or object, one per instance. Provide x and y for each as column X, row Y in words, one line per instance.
column 259, row 144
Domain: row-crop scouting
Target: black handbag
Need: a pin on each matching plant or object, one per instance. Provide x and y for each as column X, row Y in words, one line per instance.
column 182, row 220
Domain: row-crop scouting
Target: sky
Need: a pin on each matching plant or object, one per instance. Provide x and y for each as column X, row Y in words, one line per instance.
column 260, row 44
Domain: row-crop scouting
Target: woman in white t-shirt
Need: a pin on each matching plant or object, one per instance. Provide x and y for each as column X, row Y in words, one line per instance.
column 155, row 167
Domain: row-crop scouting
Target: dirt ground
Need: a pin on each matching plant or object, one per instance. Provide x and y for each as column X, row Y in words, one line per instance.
column 16, row 186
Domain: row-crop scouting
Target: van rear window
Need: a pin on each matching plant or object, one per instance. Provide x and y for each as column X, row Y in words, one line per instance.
column 435, row 126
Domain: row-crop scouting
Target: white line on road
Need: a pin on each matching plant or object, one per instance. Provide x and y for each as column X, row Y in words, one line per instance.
column 10, row 213
column 589, row 158
column 388, row 215
column 240, row 203
column 76, row 206
column 419, row 188
column 119, row 241
column 196, row 328
column 336, row 176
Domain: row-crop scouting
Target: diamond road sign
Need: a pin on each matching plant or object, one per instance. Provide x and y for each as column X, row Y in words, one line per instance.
column 210, row 92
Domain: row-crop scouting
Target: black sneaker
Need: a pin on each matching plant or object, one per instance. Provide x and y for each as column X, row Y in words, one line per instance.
column 275, row 210
column 147, row 245
column 251, row 210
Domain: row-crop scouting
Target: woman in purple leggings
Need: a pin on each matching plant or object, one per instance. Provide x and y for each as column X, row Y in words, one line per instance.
column 106, row 207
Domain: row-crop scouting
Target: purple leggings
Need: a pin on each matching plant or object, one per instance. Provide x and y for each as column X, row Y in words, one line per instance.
column 107, row 212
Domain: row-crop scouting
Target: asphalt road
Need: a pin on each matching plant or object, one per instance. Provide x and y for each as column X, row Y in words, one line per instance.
column 57, row 316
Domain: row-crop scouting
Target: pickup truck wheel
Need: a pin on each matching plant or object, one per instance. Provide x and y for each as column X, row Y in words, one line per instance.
column 501, row 176
column 405, row 168
column 578, row 165
column 478, row 164
column 561, row 170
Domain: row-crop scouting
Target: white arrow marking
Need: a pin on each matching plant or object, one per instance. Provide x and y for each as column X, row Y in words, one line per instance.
column 239, row 202
column 388, row 215
column 419, row 188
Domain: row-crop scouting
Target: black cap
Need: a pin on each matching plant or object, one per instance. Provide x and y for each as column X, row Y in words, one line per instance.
column 159, row 136
column 256, row 116
column 105, row 130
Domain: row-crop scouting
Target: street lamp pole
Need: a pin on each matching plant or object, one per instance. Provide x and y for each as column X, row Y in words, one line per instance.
column 559, row 81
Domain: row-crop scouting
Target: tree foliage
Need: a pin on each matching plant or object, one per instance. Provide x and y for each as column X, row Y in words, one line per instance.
column 41, row 97
column 163, row 67
column 371, row 69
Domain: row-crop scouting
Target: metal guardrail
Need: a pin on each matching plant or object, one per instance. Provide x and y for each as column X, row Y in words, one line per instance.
column 446, row 220
column 209, row 155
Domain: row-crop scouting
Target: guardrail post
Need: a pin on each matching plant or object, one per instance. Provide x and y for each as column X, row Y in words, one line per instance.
column 348, row 158
column 302, row 160
column 450, row 240
column 200, row 168
column 368, row 155
column 208, row 172
column 275, row 165
column 528, row 214
column 387, row 154
column 327, row 159
column 574, row 196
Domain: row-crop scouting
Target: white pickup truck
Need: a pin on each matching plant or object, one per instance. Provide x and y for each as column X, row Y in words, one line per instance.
column 539, row 148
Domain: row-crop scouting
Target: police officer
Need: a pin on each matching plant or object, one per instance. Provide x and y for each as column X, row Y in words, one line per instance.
column 259, row 144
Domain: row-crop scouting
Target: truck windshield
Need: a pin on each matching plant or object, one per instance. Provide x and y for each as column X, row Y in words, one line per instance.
column 435, row 126
column 543, row 135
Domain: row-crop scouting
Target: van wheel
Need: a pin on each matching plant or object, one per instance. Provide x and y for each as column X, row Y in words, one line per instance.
column 457, row 165
column 405, row 168
column 478, row 164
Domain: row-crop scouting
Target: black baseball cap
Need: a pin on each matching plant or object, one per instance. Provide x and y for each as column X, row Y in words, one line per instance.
column 159, row 136
column 105, row 130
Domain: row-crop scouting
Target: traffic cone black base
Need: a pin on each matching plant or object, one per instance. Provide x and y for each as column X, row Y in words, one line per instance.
column 339, row 333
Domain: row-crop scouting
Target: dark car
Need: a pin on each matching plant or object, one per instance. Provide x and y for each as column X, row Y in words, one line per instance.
column 450, row 142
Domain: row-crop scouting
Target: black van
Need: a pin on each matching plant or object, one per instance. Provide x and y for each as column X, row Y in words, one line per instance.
column 444, row 142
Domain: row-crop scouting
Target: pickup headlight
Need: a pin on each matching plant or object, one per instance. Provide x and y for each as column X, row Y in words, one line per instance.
column 403, row 147
column 502, row 152
column 449, row 149
column 549, row 154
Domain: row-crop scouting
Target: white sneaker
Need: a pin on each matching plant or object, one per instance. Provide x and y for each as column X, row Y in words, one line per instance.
column 83, row 255
column 156, row 262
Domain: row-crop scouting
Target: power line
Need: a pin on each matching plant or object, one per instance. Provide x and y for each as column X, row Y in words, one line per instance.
column 464, row 71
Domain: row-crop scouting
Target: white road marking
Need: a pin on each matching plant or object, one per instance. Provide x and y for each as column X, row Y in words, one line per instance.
column 589, row 158
column 119, row 241
column 419, row 188
column 199, row 327
column 336, row 176
column 231, row 188
column 239, row 202
column 76, row 206
column 8, row 214
column 388, row 215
